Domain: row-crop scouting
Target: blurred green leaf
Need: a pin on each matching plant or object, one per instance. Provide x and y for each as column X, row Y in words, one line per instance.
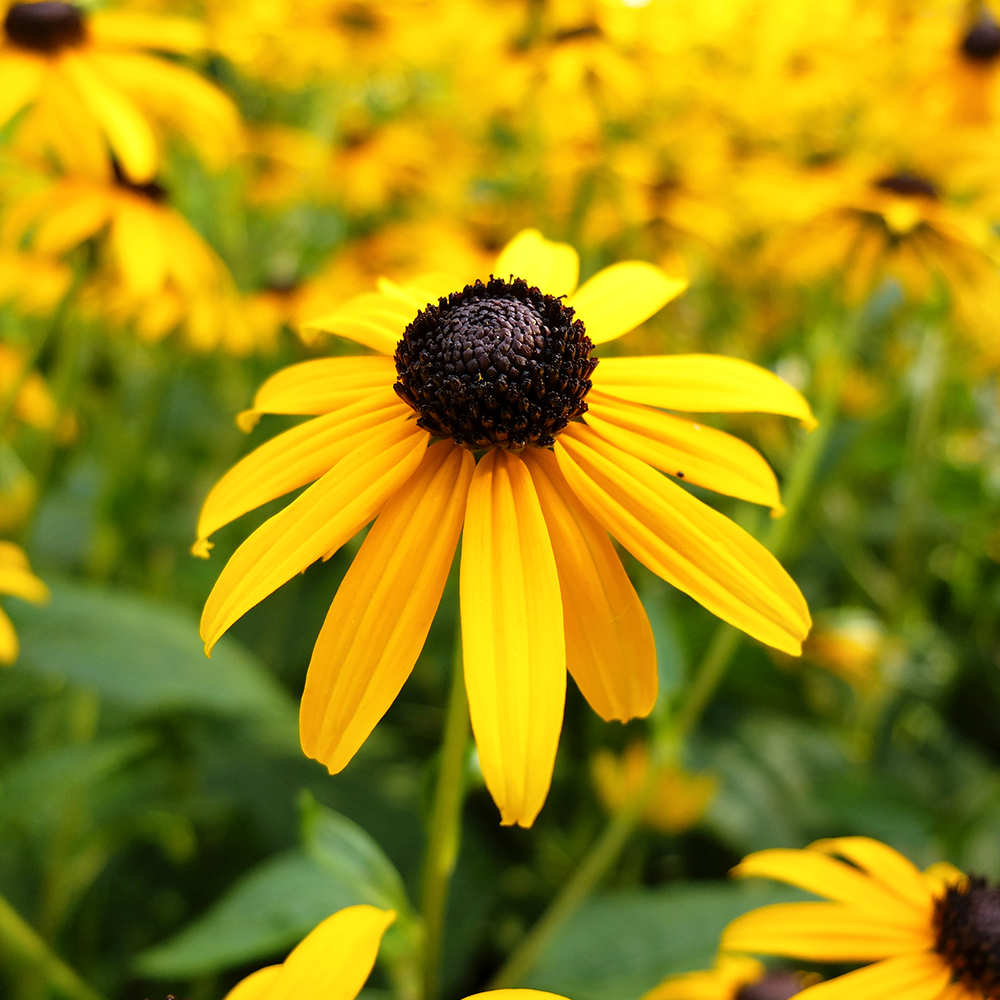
column 147, row 657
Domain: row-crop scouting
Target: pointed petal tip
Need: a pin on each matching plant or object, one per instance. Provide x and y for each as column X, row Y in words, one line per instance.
column 202, row 548
column 778, row 511
column 247, row 420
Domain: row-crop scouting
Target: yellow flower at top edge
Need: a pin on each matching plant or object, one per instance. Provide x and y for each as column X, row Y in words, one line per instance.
column 502, row 371
column 92, row 86
column 932, row 935
column 733, row 977
column 17, row 580
column 335, row 959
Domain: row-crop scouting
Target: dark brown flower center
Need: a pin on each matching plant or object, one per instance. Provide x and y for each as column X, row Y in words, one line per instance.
column 150, row 190
column 45, row 27
column 907, row 186
column 967, row 921
column 982, row 41
column 778, row 985
column 495, row 365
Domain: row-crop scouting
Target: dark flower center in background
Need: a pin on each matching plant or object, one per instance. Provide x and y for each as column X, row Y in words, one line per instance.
column 982, row 41
column 967, row 921
column 907, row 185
column 778, row 985
column 150, row 190
column 498, row 364
column 45, row 27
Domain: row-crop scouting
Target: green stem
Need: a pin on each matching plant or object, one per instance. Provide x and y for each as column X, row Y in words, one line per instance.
column 446, row 827
column 20, row 944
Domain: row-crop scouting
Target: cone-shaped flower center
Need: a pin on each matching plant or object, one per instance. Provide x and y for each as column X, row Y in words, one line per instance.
column 967, row 920
column 777, row 985
column 45, row 27
column 907, row 186
column 495, row 365
column 982, row 41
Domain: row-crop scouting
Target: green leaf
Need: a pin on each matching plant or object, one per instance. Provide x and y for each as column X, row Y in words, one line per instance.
column 618, row 946
column 147, row 657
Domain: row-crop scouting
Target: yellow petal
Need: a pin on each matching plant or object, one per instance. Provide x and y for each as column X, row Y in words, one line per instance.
column 130, row 29
column 20, row 80
column 316, row 523
column 76, row 214
column 721, row 983
column 9, row 647
column 319, row 386
column 686, row 542
column 700, row 383
column 551, row 267
column 137, row 238
column 909, row 977
column 295, row 458
column 383, row 610
column 941, row 875
column 692, row 452
column 331, row 963
column 609, row 643
column 516, row 995
column 375, row 319
column 19, row 582
column 822, row 932
column 619, row 298
column 512, row 636
column 127, row 130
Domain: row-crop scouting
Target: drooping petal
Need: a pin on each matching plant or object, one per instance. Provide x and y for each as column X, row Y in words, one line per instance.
column 609, row 642
column 375, row 319
column 822, row 932
column 296, row 457
column 619, row 298
column 331, row 963
column 319, row 386
column 689, row 544
column 701, row 383
column 923, row 976
column 512, row 636
column 314, row 525
column 9, row 646
column 127, row 130
column 383, row 610
column 551, row 267
column 825, row 876
column 692, row 452
column 20, row 80
column 137, row 241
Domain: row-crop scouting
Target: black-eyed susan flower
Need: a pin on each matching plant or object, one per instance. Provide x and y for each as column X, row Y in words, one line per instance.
column 92, row 86
column 566, row 455
column 17, row 580
column 932, row 935
column 732, row 977
column 333, row 961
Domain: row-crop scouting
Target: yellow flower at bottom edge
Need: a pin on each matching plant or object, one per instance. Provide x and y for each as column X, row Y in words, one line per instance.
column 333, row 961
column 17, row 580
column 733, row 977
column 933, row 935
column 503, row 370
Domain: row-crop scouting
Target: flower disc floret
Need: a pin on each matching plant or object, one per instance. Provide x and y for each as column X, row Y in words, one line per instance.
column 495, row 365
column 46, row 27
column 967, row 921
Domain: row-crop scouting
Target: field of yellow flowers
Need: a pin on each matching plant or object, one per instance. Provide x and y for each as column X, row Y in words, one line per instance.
column 571, row 428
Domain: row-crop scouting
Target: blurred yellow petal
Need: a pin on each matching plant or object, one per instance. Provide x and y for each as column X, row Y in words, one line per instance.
column 516, row 995
column 609, row 642
column 621, row 297
column 296, row 457
column 907, row 977
column 551, row 267
column 22, row 583
column 942, row 875
column 689, row 544
column 720, row 983
column 822, row 932
column 137, row 241
column 9, row 646
column 689, row 451
column 20, row 80
column 512, row 636
column 127, row 130
column 76, row 215
column 331, row 963
column 383, row 610
column 319, row 386
column 374, row 319
column 131, row 29
column 700, row 383
column 319, row 521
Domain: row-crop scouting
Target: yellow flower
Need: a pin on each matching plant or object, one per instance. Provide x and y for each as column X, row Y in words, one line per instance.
column 17, row 580
column 333, row 961
column 502, row 369
column 33, row 404
column 93, row 87
column 932, row 936
column 678, row 801
column 733, row 977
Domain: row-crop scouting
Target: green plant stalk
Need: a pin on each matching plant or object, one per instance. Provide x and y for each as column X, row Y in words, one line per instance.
column 446, row 826
column 22, row 946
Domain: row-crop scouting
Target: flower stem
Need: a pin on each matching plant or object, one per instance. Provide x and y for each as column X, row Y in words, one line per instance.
column 21, row 945
column 446, row 826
